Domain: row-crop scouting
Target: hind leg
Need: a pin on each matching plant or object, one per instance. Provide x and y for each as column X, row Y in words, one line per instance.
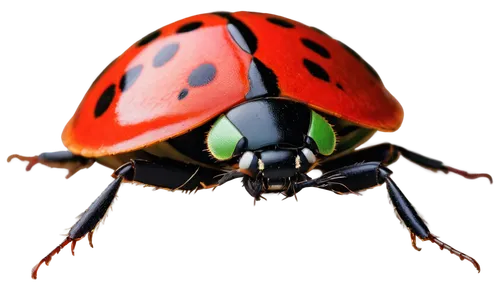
column 389, row 153
column 62, row 159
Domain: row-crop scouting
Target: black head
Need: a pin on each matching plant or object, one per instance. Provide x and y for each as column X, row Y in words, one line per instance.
column 274, row 142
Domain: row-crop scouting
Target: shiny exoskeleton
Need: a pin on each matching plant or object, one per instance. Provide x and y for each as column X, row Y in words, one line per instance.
column 221, row 96
column 273, row 155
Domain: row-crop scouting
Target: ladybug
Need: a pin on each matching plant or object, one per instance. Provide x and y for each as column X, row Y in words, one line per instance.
column 244, row 95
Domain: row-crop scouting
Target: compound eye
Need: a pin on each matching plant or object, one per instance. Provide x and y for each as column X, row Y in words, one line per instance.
column 322, row 133
column 249, row 161
column 224, row 140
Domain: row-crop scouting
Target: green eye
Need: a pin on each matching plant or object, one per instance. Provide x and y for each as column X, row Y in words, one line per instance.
column 322, row 133
column 223, row 138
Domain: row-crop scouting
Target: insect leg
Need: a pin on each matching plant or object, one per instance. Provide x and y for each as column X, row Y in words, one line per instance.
column 415, row 224
column 389, row 153
column 175, row 175
column 91, row 217
column 255, row 188
column 367, row 175
column 62, row 159
column 171, row 175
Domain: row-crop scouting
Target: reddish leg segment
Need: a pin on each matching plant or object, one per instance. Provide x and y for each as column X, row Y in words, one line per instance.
column 63, row 159
column 46, row 260
column 432, row 238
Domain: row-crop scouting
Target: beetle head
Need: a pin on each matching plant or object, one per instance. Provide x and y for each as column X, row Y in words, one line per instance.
column 273, row 141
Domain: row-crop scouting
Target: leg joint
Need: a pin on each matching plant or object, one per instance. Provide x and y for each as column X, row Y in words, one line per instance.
column 382, row 174
column 63, row 157
column 126, row 171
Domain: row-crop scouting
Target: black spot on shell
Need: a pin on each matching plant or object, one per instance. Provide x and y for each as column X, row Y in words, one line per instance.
column 189, row 27
column 316, row 70
column 339, row 86
column 315, row 47
column 281, row 22
column 104, row 101
column 149, row 38
column 237, row 37
column 223, row 14
column 183, row 94
column 240, row 33
column 202, row 75
column 165, row 54
column 263, row 81
column 129, row 78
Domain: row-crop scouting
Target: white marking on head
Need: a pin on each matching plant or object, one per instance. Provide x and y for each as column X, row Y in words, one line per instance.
column 246, row 160
column 309, row 155
column 297, row 162
column 261, row 165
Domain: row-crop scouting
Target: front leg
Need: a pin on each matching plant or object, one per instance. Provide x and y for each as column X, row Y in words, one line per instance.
column 89, row 219
column 389, row 153
column 62, row 159
column 415, row 224
column 363, row 176
column 170, row 175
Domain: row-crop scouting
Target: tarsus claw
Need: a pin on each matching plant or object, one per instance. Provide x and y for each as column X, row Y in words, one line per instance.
column 452, row 250
column 56, row 250
column 30, row 162
column 91, row 236
column 414, row 242
column 472, row 176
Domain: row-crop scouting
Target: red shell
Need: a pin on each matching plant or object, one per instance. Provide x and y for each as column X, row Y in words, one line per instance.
column 150, row 110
